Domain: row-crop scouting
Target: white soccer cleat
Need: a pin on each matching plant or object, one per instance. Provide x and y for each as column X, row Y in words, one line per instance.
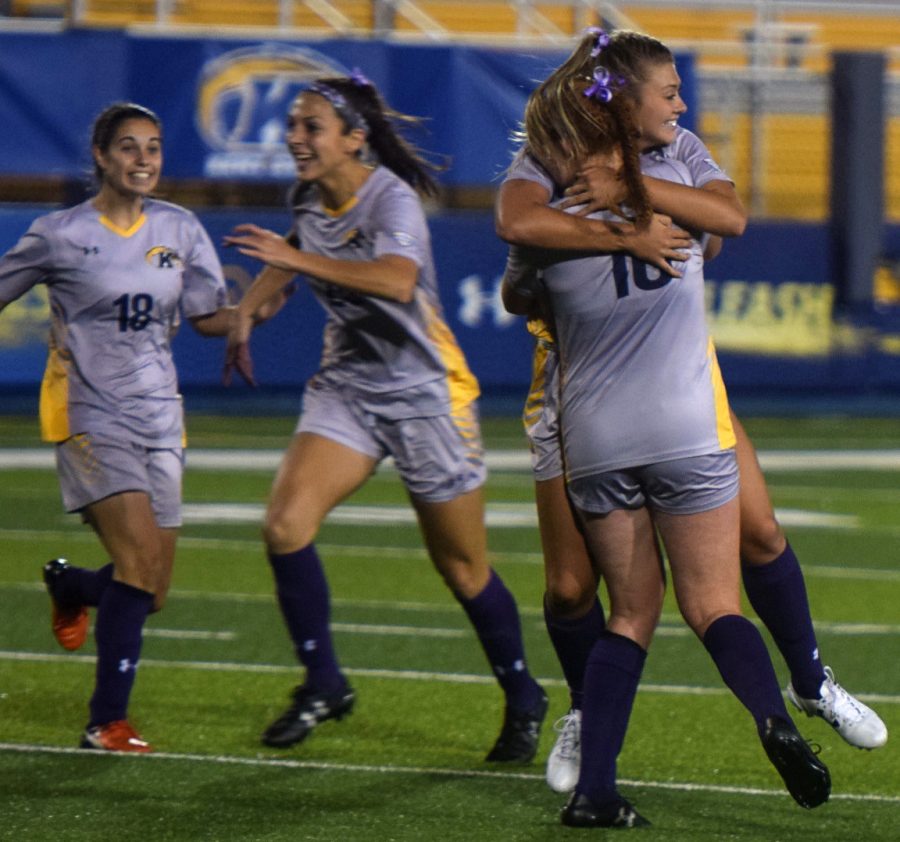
column 564, row 762
column 858, row 724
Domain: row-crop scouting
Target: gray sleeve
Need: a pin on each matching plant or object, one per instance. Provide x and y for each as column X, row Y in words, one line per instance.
column 204, row 289
column 400, row 227
column 525, row 168
column 691, row 151
column 25, row 265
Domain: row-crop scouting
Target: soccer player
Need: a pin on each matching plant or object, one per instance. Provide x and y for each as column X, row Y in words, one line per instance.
column 392, row 382
column 648, row 446
column 121, row 269
column 772, row 577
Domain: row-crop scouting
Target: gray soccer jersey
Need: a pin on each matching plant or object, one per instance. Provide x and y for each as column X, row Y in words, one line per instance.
column 398, row 359
column 116, row 298
column 689, row 150
column 639, row 378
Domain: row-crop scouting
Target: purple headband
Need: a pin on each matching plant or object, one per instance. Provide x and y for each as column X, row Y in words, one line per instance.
column 339, row 102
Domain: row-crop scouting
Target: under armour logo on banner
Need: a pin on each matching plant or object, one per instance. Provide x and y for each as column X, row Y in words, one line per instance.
column 477, row 304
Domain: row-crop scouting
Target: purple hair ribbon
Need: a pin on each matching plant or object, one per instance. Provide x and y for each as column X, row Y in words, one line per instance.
column 602, row 87
column 601, row 39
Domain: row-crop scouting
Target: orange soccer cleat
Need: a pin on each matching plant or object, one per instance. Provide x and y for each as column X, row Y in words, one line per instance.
column 70, row 622
column 115, row 736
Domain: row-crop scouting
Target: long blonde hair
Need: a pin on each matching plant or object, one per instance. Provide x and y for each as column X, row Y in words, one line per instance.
column 588, row 106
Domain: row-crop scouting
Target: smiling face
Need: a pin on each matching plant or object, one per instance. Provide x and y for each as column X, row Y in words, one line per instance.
column 132, row 163
column 318, row 139
column 659, row 105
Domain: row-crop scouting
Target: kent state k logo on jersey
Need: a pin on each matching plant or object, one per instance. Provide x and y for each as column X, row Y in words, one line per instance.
column 163, row 257
column 242, row 99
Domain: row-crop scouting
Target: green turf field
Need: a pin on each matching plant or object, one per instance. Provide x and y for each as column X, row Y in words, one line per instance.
column 408, row 763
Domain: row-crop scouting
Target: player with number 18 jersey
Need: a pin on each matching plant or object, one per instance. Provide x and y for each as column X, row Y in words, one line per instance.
column 116, row 299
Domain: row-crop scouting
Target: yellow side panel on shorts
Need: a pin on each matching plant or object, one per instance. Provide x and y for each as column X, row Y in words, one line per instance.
column 465, row 419
column 724, row 427
column 461, row 382
column 539, row 329
column 534, row 403
column 54, row 403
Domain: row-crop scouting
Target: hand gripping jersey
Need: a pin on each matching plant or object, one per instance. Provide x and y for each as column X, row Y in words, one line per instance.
column 397, row 359
column 686, row 159
column 116, row 298
column 639, row 378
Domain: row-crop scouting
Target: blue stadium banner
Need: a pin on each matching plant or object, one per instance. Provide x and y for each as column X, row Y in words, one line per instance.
column 223, row 102
column 768, row 303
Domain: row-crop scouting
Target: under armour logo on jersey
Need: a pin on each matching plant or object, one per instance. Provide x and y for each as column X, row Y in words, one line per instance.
column 163, row 257
column 403, row 238
column 125, row 664
column 310, row 645
column 477, row 303
column 90, row 250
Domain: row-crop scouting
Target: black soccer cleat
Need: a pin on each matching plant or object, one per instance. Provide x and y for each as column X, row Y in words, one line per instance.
column 805, row 776
column 306, row 711
column 582, row 812
column 519, row 736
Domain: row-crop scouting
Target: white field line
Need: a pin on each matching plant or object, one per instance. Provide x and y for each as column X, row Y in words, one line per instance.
column 671, row 625
column 361, row 672
column 401, row 631
column 496, row 515
column 281, row 763
column 452, row 607
column 347, row 628
column 188, row 634
column 672, row 628
column 499, row 460
column 379, row 553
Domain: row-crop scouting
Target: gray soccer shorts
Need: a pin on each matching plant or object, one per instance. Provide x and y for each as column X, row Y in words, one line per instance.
column 90, row 471
column 678, row 486
column 541, row 415
column 438, row 457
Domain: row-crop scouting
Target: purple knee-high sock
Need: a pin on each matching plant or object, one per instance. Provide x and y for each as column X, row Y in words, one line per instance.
column 83, row 586
column 495, row 617
column 777, row 593
column 118, row 632
column 303, row 596
column 573, row 640
column 611, row 680
column 744, row 664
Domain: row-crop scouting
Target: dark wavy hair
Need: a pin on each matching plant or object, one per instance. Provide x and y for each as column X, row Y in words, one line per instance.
column 384, row 133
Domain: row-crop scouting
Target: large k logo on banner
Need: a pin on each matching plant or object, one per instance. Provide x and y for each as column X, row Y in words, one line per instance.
column 242, row 99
